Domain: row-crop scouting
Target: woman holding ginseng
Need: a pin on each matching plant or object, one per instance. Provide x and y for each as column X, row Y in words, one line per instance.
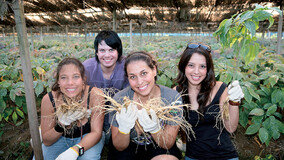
column 137, row 131
column 214, row 111
column 71, row 124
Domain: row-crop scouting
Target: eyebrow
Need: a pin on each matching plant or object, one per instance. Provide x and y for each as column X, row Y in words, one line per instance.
column 134, row 74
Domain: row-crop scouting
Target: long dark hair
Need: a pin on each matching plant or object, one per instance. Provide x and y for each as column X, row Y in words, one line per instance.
column 206, row 85
column 66, row 61
column 112, row 39
column 148, row 58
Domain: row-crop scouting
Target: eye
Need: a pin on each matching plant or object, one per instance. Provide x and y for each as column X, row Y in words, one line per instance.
column 143, row 73
column 112, row 50
column 132, row 77
column 102, row 50
column 190, row 65
column 203, row 66
column 62, row 77
column 77, row 76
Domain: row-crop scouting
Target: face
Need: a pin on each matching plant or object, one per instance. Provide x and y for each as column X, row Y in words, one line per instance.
column 107, row 55
column 141, row 77
column 196, row 69
column 70, row 80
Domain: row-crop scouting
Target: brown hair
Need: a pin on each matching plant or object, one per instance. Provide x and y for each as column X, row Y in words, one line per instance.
column 148, row 58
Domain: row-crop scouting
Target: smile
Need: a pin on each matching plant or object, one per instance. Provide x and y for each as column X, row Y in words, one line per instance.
column 143, row 88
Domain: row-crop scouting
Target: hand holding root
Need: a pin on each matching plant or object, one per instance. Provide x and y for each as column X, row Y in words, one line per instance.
column 126, row 118
column 235, row 92
column 152, row 124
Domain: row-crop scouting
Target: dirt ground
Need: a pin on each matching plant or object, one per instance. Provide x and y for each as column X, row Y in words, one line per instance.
column 15, row 144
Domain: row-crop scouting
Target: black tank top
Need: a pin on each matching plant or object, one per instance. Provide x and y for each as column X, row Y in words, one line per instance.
column 210, row 142
column 86, row 128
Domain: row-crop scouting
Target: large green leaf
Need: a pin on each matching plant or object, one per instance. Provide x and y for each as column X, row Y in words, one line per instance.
column 247, row 96
column 273, row 80
column 6, row 84
column 243, row 120
column 20, row 113
column 14, row 117
column 2, row 105
column 271, row 110
column 252, row 92
column 39, row 88
column 263, row 134
column 257, row 112
column 252, row 129
column 251, row 27
column 276, row 96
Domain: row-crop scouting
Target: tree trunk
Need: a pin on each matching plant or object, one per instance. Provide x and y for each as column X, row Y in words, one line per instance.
column 41, row 35
column 27, row 76
column 85, row 30
column 32, row 40
column 279, row 31
column 14, row 39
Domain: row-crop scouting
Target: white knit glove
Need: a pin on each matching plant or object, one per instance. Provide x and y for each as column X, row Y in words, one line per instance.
column 151, row 125
column 126, row 118
column 181, row 146
column 235, row 92
column 70, row 116
column 69, row 154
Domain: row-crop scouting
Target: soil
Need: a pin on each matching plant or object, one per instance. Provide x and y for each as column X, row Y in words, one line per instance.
column 15, row 144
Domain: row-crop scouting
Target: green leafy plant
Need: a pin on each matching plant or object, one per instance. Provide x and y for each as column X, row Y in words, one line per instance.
column 239, row 32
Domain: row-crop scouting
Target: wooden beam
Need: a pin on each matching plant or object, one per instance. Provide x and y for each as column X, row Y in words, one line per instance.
column 27, row 76
column 279, row 31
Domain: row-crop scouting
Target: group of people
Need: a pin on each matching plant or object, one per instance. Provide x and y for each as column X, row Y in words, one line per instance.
column 134, row 77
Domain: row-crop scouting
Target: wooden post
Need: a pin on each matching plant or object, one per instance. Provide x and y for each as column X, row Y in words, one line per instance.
column 85, row 30
column 66, row 33
column 114, row 19
column 130, row 33
column 279, row 31
column 141, row 36
column 32, row 40
column 41, row 34
column 14, row 39
column 27, row 76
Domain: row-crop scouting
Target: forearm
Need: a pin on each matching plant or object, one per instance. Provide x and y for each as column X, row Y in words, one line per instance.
column 91, row 139
column 50, row 137
column 120, row 140
column 166, row 137
column 231, row 124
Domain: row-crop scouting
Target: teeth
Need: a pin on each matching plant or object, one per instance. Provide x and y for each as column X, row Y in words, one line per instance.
column 107, row 60
column 70, row 90
column 143, row 87
column 195, row 78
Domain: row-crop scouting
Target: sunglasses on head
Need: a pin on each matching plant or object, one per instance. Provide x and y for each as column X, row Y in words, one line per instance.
column 196, row 45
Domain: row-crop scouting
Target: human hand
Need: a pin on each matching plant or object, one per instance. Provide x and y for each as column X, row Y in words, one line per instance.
column 181, row 146
column 70, row 116
column 126, row 118
column 70, row 154
column 235, row 92
column 152, row 124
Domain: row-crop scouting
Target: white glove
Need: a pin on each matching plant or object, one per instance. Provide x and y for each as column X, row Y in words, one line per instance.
column 148, row 124
column 69, row 154
column 235, row 92
column 126, row 118
column 70, row 116
column 181, row 146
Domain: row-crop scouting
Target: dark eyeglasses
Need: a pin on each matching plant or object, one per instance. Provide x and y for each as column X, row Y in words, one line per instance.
column 196, row 45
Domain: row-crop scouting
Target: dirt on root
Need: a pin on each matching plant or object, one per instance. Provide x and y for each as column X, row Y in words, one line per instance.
column 15, row 144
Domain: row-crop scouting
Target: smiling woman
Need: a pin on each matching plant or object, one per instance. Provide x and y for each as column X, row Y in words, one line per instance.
column 136, row 132
column 71, row 124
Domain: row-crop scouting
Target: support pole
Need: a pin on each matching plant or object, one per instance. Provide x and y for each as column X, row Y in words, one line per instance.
column 32, row 40
column 14, row 39
column 41, row 34
column 279, row 31
column 85, row 30
column 27, row 76
column 130, row 33
column 114, row 19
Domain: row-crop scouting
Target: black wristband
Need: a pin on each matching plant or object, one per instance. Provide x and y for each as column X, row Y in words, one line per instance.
column 58, row 128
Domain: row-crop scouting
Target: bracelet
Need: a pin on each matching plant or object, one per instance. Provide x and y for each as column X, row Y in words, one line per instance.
column 234, row 103
column 58, row 128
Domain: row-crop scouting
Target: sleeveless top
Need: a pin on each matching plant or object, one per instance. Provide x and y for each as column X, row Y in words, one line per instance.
column 86, row 128
column 211, row 141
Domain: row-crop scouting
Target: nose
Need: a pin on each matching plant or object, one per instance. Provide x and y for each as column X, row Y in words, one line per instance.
column 70, row 81
column 139, row 80
column 196, row 70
